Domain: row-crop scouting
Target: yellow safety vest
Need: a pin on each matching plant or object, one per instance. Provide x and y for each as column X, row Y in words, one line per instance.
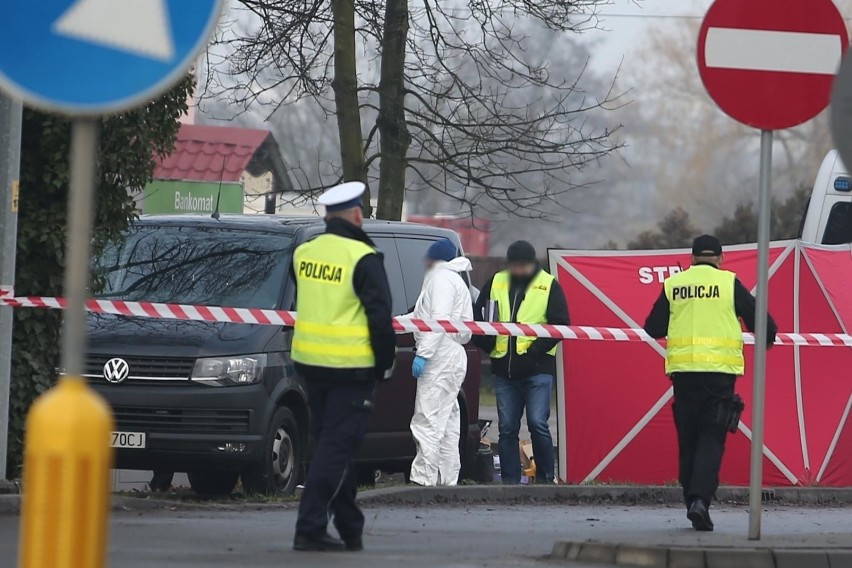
column 533, row 309
column 331, row 324
column 704, row 331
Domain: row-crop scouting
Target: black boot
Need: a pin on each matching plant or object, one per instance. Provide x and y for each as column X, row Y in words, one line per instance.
column 323, row 543
column 354, row 544
column 700, row 516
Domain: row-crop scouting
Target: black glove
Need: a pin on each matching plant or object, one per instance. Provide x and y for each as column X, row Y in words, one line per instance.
column 385, row 362
column 385, row 374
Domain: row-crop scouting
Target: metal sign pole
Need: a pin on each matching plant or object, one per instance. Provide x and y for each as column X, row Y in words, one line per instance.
column 68, row 427
column 81, row 199
column 755, row 497
column 10, row 165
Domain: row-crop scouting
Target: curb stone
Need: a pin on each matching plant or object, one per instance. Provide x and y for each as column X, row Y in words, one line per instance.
column 645, row 557
column 840, row 559
column 121, row 503
column 11, row 504
column 566, row 550
column 592, row 494
column 679, row 557
column 597, row 552
column 741, row 559
column 804, row 558
column 494, row 494
column 686, row 558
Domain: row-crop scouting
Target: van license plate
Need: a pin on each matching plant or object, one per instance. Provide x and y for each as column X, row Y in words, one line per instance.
column 135, row 440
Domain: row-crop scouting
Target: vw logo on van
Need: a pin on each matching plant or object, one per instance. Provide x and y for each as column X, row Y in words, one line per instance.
column 116, row 370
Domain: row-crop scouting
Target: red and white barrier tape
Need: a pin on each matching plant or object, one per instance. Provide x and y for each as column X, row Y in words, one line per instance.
column 402, row 324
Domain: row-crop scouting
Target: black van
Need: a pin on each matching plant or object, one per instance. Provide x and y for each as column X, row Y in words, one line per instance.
column 221, row 401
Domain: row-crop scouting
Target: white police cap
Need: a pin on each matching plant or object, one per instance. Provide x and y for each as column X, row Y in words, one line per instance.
column 344, row 196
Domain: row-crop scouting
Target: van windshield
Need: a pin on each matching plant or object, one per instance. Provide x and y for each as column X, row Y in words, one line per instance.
column 195, row 265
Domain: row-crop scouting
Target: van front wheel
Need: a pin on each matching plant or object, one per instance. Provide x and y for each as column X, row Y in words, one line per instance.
column 279, row 471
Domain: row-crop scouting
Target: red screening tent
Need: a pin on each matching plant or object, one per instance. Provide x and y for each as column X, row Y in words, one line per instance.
column 615, row 402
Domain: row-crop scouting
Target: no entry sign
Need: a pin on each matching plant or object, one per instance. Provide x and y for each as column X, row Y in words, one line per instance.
column 770, row 64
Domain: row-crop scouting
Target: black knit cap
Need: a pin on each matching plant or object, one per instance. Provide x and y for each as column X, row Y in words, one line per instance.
column 706, row 245
column 520, row 251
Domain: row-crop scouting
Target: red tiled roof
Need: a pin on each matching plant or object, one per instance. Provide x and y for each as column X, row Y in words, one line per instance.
column 210, row 153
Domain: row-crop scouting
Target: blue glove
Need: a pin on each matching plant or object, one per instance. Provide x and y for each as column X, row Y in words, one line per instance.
column 418, row 365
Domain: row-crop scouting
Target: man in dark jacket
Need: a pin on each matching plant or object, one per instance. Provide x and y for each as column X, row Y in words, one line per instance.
column 523, row 367
column 343, row 342
column 698, row 312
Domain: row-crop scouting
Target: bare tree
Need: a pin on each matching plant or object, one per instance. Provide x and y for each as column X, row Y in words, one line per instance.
column 462, row 95
column 699, row 158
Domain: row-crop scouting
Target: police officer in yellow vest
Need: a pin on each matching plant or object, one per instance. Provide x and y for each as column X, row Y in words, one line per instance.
column 523, row 367
column 343, row 343
column 699, row 312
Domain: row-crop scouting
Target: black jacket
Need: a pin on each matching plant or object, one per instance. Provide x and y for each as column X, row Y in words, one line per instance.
column 536, row 360
column 657, row 324
column 371, row 286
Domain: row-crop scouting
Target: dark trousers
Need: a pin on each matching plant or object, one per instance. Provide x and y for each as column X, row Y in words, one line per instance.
column 513, row 396
column 340, row 413
column 701, row 438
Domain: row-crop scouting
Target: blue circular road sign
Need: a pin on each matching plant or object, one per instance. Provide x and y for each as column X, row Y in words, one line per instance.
column 91, row 57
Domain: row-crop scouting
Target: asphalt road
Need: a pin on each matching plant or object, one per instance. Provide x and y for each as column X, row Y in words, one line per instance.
column 492, row 536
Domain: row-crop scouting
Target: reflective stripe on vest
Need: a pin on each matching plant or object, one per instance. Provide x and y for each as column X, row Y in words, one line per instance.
column 533, row 309
column 331, row 327
column 705, row 334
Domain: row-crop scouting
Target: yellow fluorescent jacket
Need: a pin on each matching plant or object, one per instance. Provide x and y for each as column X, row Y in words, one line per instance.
column 331, row 324
column 704, row 331
column 533, row 309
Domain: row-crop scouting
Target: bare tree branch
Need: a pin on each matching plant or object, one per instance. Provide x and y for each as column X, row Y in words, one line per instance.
column 471, row 97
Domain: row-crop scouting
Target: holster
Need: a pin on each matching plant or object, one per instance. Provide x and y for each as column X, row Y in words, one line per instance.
column 730, row 411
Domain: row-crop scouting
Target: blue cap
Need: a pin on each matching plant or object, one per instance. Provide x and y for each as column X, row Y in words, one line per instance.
column 343, row 196
column 442, row 250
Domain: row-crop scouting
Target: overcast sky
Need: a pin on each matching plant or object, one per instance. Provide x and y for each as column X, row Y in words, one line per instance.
column 625, row 24
column 621, row 39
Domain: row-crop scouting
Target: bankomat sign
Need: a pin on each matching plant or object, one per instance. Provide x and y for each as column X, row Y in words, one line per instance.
column 191, row 204
column 175, row 197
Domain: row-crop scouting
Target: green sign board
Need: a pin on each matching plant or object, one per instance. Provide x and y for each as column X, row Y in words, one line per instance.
column 164, row 196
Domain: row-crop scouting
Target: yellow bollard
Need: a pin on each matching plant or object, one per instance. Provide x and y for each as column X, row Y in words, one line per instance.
column 67, row 459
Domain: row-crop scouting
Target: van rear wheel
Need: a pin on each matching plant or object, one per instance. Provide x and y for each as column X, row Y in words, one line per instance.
column 213, row 483
column 281, row 467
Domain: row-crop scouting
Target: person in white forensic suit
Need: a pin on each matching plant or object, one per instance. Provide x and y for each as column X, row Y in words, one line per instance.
column 440, row 367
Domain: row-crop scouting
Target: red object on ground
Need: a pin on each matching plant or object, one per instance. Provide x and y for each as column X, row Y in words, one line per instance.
column 615, row 401
column 210, row 153
column 474, row 235
column 770, row 64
